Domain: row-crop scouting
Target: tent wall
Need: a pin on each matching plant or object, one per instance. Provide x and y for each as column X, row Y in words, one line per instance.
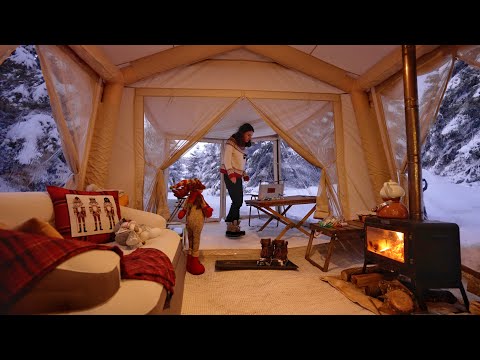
column 6, row 51
column 106, row 122
column 470, row 54
column 121, row 169
column 361, row 196
column 376, row 160
column 74, row 92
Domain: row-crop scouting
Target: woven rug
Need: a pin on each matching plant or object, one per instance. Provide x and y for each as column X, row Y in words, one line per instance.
column 265, row 292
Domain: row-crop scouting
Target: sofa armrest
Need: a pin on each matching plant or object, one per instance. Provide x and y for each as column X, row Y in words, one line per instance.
column 143, row 217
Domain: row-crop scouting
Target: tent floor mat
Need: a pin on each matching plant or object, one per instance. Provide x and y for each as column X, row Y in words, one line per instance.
column 251, row 265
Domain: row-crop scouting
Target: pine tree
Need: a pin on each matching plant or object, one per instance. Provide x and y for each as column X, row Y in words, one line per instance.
column 456, row 128
column 210, row 168
column 30, row 160
column 176, row 171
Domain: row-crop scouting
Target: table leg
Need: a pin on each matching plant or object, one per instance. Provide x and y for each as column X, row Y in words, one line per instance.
column 300, row 223
column 309, row 246
column 285, row 229
column 309, row 250
column 329, row 252
column 272, row 217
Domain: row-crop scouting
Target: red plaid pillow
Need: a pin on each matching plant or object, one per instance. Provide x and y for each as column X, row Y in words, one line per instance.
column 62, row 217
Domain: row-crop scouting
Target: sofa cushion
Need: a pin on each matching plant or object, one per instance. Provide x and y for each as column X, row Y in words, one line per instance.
column 18, row 207
column 68, row 203
column 37, row 226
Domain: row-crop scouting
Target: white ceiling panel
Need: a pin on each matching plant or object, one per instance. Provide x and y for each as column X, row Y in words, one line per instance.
column 121, row 54
column 356, row 59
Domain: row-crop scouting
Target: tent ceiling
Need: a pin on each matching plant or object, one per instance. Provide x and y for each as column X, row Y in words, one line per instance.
column 122, row 54
column 242, row 112
column 356, row 59
column 173, row 116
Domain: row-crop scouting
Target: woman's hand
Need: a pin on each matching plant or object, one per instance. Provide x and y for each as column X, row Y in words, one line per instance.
column 233, row 180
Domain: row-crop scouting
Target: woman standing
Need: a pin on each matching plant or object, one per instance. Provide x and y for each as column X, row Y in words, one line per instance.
column 233, row 170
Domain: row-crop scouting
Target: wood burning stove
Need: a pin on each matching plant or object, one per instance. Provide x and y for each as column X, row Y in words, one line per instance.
column 427, row 252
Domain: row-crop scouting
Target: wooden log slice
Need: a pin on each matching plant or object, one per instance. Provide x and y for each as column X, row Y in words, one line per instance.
column 400, row 301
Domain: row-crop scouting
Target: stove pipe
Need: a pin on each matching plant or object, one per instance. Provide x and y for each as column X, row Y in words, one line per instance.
column 415, row 200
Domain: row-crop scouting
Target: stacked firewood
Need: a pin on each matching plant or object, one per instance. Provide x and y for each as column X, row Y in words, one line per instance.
column 395, row 292
column 475, row 307
column 383, row 285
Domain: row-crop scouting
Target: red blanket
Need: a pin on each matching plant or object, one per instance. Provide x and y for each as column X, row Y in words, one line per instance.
column 26, row 258
column 149, row 264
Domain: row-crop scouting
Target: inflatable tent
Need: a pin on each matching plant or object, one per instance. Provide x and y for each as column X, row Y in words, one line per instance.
column 341, row 107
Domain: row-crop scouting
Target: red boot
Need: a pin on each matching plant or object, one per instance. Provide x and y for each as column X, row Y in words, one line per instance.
column 194, row 266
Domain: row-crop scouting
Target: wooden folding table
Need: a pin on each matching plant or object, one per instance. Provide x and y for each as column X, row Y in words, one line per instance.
column 267, row 207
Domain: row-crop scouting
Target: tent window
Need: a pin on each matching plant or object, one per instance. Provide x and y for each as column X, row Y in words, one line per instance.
column 301, row 178
column 155, row 149
column 202, row 162
column 30, row 144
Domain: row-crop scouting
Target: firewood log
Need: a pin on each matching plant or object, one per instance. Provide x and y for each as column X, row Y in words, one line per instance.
column 473, row 286
column 373, row 291
column 386, row 286
column 474, row 307
column 399, row 301
column 362, row 280
column 346, row 274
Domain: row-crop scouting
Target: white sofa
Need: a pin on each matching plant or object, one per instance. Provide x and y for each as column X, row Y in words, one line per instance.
column 90, row 283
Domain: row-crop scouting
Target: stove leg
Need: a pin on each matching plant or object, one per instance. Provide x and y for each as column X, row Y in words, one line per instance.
column 420, row 294
column 364, row 267
column 465, row 298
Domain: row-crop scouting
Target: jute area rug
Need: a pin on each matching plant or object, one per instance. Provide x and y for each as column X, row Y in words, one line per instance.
column 271, row 292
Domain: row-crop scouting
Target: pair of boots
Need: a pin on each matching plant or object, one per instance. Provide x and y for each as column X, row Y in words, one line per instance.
column 273, row 252
column 233, row 229
column 194, row 266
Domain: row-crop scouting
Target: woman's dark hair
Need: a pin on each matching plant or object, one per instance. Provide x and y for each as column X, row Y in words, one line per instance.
column 238, row 136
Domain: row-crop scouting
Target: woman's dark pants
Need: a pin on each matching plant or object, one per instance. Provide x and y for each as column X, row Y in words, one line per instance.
column 236, row 194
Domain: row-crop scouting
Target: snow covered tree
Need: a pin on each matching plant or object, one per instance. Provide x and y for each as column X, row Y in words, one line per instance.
column 176, row 171
column 210, row 168
column 31, row 150
column 259, row 165
column 452, row 147
column 297, row 171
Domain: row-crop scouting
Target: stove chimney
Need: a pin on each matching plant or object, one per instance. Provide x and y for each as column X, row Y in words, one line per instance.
column 415, row 200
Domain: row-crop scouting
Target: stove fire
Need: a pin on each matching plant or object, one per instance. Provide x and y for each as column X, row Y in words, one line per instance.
column 388, row 243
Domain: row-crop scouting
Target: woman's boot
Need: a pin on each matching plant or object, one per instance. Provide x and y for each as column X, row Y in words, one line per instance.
column 233, row 229
column 236, row 223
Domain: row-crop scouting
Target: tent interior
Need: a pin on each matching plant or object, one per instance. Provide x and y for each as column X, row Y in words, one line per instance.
column 126, row 113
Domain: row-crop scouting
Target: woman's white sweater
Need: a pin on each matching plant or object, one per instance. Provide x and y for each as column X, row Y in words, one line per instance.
column 233, row 160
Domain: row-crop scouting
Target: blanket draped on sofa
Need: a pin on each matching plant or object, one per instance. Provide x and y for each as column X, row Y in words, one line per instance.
column 149, row 264
column 26, row 258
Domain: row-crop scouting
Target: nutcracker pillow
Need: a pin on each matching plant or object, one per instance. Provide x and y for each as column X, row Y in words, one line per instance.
column 85, row 215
